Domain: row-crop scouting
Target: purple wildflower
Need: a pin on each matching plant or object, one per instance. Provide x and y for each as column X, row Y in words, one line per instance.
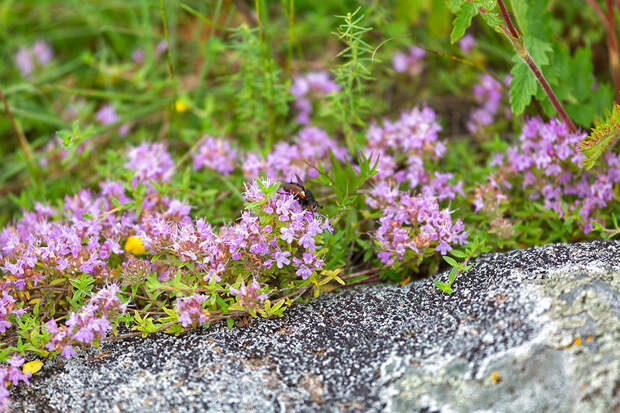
column 149, row 162
column 287, row 161
column 409, row 62
column 161, row 47
column 11, row 374
column 137, row 55
column 547, row 163
column 466, row 43
column 190, row 310
column 89, row 324
column 412, row 224
column 248, row 295
column 312, row 84
column 488, row 94
column 106, row 115
column 40, row 53
column 216, row 154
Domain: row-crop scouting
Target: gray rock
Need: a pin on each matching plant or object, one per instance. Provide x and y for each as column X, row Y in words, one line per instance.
column 526, row 331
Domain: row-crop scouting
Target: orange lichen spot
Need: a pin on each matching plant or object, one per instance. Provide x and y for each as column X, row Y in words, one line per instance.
column 589, row 338
column 577, row 341
column 134, row 245
column 495, row 377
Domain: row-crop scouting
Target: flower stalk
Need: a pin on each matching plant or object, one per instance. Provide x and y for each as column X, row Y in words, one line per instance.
column 517, row 41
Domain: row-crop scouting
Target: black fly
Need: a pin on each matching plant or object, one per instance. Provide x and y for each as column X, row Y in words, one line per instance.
column 301, row 194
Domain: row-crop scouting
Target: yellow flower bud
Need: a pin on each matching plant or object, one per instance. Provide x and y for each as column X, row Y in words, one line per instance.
column 180, row 106
column 134, row 245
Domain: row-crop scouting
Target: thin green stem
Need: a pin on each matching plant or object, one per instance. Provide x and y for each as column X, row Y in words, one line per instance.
column 169, row 55
column 21, row 138
column 291, row 35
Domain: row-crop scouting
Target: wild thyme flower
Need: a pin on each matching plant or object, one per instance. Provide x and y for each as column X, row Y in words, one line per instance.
column 409, row 225
column 42, row 52
column 190, row 310
column 291, row 228
column 404, row 146
column 28, row 57
column 161, row 47
column 467, row 43
column 106, row 115
column 488, row 94
column 90, row 324
column 312, row 84
column 216, row 154
column 248, row 295
column 11, row 374
column 410, row 62
column 546, row 163
column 137, row 55
column 287, row 161
column 149, row 162
column 7, row 305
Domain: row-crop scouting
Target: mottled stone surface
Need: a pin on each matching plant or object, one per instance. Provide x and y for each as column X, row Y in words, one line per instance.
column 529, row 330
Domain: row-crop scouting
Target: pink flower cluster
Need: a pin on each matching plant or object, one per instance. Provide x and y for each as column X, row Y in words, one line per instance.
column 248, row 294
column 11, row 374
column 7, row 304
column 215, row 154
column 467, row 43
column 248, row 243
column 286, row 161
column 149, row 162
column 28, row 57
column 412, row 224
column 91, row 323
column 488, row 94
column 312, row 84
column 289, row 241
column 190, row 310
column 403, row 147
column 547, row 164
column 411, row 62
column 106, row 114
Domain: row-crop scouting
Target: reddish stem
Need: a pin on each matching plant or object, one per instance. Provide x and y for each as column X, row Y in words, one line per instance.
column 599, row 13
column 612, row 44
column 517, row 42
column 511, row 27
column 547, row 88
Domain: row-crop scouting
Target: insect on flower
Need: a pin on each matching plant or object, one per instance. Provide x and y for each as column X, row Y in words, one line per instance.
column 301, row 194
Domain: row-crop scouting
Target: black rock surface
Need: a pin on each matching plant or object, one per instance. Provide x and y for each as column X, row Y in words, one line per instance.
column 529, row 330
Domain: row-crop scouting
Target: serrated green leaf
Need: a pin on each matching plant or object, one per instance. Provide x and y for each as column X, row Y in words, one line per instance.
column 538, row 49
column 522, row 87
column 462, row 20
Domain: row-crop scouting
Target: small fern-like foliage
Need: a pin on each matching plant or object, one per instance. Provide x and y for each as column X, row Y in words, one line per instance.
column 602, row 137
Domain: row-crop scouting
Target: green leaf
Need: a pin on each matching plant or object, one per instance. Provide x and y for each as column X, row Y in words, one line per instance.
column 230, row 322
column 443, row 287
column 458, row 253
column 462, row 21
column 450, row 261
column 537, row 49
column 452, row 275
column 522, row 87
